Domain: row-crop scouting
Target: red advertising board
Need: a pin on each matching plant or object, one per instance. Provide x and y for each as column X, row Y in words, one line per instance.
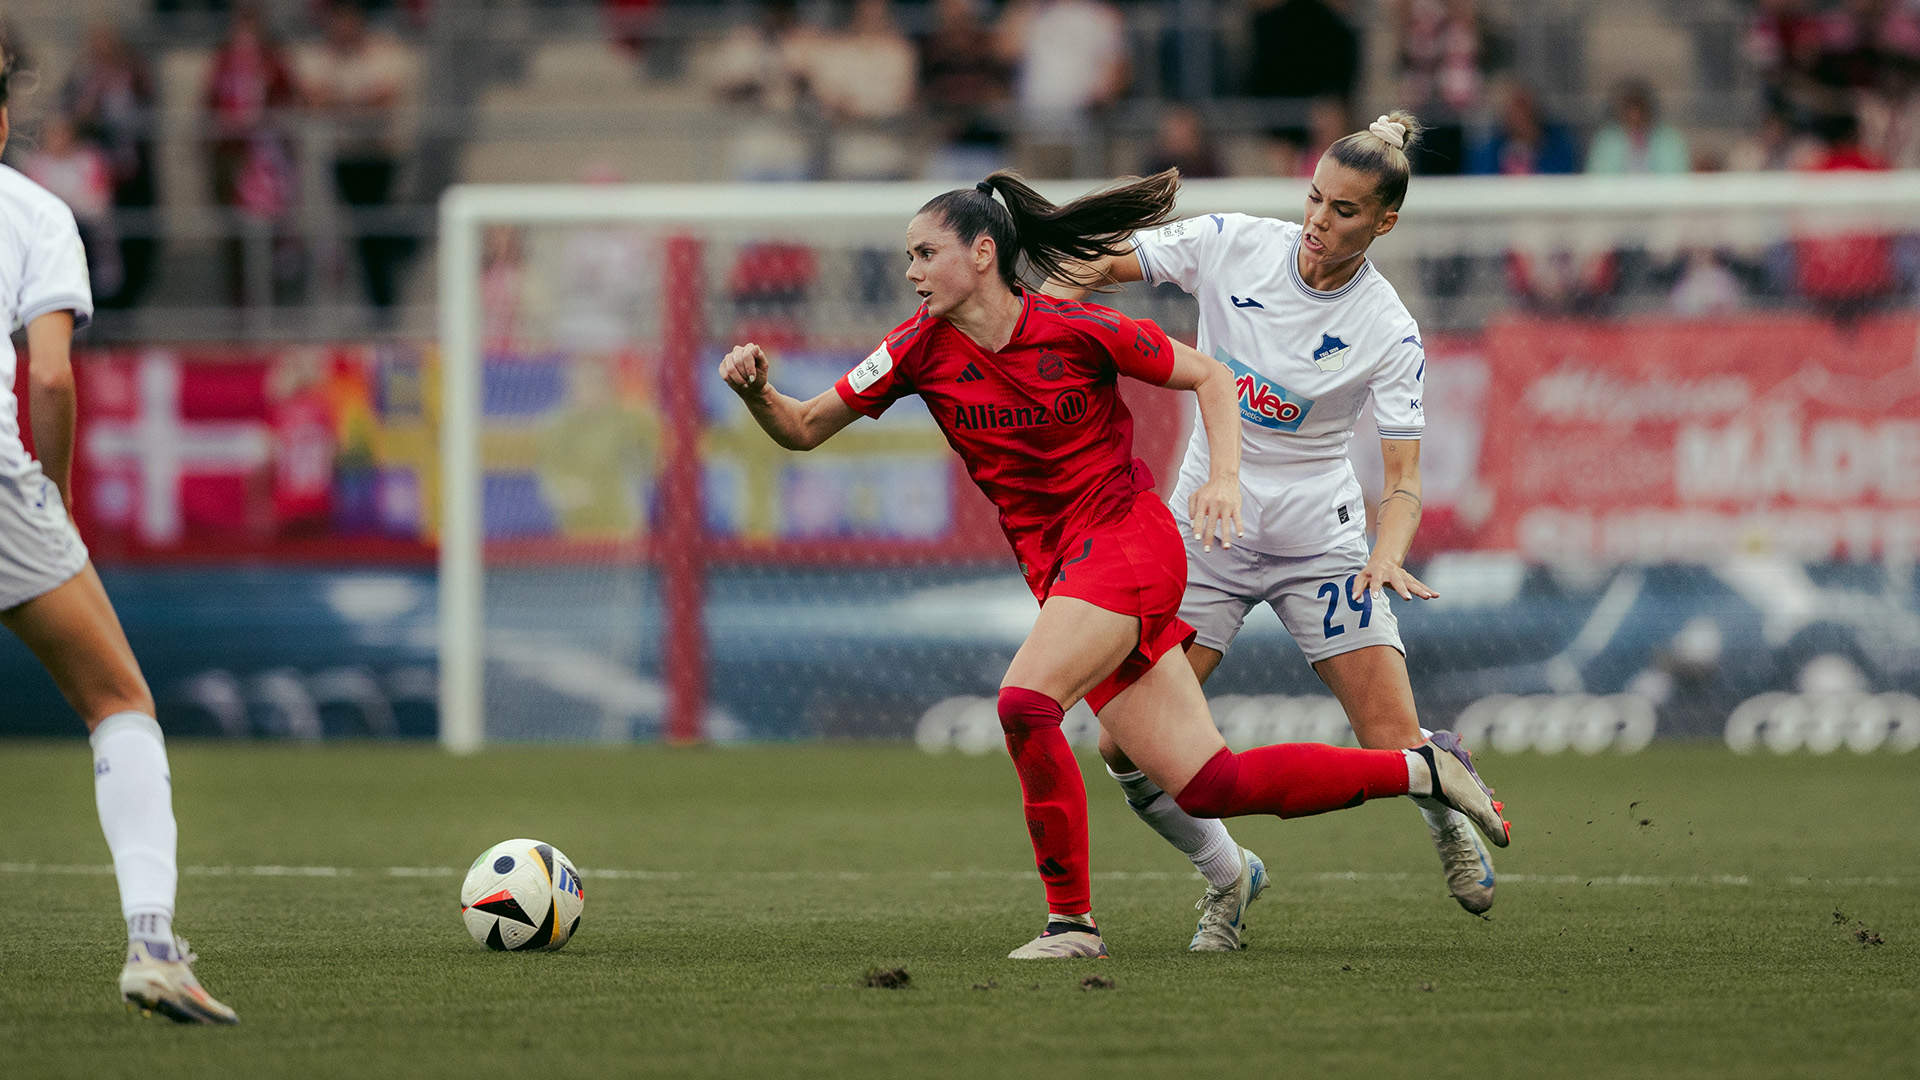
column 1648, row 442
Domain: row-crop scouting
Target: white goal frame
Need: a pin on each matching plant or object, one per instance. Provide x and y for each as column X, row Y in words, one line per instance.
column 1480, row 214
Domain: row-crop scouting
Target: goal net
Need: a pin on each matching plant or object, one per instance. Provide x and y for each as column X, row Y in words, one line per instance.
column 1671, row 465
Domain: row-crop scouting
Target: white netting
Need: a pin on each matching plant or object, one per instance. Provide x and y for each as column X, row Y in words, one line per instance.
column 1670, row 464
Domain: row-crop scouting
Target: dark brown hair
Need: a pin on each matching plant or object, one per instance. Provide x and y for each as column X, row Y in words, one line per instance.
column 1053, row 239
column 1363, row 151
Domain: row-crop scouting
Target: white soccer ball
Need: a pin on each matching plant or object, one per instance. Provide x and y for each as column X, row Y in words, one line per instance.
column 522, row 895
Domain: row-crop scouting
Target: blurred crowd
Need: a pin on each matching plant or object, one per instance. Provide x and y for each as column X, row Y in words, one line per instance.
column 947, row 89
column 263, row 107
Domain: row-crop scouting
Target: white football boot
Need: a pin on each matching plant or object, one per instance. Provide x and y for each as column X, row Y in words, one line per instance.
column 1223, row 911
column 1467, row 863
column 1457, row 784
column 1063, row 941
column 159, row 979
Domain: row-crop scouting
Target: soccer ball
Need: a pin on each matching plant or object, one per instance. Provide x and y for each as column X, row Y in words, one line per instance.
column 522, row 895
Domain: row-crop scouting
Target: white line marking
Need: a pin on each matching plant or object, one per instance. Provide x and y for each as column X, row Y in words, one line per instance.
column 1355, row 876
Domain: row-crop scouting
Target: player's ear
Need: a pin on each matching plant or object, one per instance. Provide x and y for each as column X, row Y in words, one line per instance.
column 986, row 254
column 1386, row 223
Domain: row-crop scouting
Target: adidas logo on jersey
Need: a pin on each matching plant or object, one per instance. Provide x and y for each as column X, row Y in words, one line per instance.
column 972, row 374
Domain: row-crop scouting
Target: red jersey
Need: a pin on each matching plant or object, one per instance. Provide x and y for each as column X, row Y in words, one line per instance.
column 1040, row 423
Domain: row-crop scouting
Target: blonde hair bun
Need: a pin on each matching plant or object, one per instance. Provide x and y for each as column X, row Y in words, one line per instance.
column 1389, row 131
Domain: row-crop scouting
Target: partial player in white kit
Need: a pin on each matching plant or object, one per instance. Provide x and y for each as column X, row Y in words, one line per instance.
column 52, row 600
column 1311, row 331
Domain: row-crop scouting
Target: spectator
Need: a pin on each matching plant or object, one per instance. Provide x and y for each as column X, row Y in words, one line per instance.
column 359, row 81
column 1071, row 63
column 1303, row 49
column 1552, row 280
column 1842, row 151
column 1705, row 286
column 1445, row 51
column 1890, row 117
column 250, row 83
column 110, row 96
column 79, row 173
column 760, row 63
column 504, row 284
column 1441, row 50
column 1636, row 142
column 1784, row 44
column 1296, row 151
column 1846, row 272
column 630, row 25
column 863, row 78
column 1773, row 147
column 963, row 79
column 1524, row 143
column 869, row 72
column 1180, row 142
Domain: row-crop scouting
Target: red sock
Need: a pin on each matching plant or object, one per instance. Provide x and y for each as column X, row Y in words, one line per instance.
column 1292, row 780
column 1054, row 795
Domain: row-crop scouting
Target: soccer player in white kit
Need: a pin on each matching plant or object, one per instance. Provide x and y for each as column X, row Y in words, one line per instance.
column 52, row 600
column 1311, row 331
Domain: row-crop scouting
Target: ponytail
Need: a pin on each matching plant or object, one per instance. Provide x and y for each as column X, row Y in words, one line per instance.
column 1382, row 150
column 1054, row 239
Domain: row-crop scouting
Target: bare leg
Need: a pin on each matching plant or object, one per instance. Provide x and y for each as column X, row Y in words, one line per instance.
column 1072, row 647
column 1374, row 689
column 74, row 632
column 1204, row 661
column 77, row 636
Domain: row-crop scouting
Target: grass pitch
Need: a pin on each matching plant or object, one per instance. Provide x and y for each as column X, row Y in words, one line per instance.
column 1682, row 912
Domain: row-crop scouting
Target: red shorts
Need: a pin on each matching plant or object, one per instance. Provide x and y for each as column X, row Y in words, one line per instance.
column 1134, row 566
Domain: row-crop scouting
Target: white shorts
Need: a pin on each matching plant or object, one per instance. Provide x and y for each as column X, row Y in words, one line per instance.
column 1312, row 594
column 39, row 547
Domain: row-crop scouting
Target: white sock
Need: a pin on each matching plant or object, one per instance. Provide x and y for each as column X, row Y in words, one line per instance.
column 133, row 788
column 1419, row 776
column 1206, row 841
column 1437, row 813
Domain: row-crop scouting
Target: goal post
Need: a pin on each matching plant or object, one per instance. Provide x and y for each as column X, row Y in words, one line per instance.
column 646, row 538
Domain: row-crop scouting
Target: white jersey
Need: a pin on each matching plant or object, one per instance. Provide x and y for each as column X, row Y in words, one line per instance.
column 42, row 268
column 1305, row 362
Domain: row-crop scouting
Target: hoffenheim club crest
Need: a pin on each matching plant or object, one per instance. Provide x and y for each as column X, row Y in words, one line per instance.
column 1332, row 353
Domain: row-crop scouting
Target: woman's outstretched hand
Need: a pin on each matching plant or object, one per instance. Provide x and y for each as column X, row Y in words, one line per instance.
column 1215, row 511
column 1380, row 574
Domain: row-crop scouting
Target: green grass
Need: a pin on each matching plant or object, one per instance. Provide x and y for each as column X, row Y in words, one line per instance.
column 782, row 874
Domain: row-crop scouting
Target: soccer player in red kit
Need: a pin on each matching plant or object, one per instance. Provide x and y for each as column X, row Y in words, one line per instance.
column 1024, row 387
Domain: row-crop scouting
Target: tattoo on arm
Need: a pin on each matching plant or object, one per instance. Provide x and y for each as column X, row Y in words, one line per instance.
column 1402, row 493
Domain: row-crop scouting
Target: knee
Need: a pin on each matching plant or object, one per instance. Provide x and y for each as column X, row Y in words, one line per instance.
column 1201, row 804
column 1210, row 793
column 1023, row 710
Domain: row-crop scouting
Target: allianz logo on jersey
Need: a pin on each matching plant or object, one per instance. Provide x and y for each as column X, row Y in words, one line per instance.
column 1264, row 402
column 1069, row 407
